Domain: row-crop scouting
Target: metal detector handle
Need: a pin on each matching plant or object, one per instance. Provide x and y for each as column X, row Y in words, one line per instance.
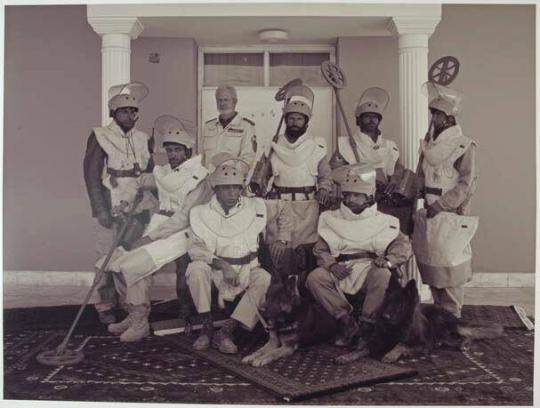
column 62, row 347
column 336, row 78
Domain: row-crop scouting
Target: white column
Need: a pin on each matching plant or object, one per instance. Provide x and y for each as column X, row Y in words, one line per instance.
column 413, row 36
column 116, row 35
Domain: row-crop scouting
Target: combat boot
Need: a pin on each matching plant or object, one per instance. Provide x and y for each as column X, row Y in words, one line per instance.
column 121, row 327
column 206, row 335
column 365, row 330
column 106, row 316
column 347, row 330
column 139, row 328
column 223, row 338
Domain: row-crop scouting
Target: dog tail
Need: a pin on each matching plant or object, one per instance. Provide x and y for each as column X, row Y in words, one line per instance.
column 480, row 332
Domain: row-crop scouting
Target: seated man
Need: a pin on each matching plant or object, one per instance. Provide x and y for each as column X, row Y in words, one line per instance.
column 357, row 248
column 225, row 241
column 181, row 184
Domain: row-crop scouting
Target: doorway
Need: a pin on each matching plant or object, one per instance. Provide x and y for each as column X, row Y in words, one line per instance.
column 257, row 74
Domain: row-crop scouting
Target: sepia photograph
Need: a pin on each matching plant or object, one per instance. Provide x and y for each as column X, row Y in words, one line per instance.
column 263, row 203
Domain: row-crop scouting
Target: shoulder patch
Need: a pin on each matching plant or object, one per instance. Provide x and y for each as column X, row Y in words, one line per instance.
column 249, row 121
column 211, row 120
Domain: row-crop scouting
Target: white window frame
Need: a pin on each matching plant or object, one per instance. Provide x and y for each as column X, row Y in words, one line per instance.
column 266, row 50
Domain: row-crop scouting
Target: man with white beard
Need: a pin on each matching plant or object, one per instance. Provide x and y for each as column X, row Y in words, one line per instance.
column 229, row 132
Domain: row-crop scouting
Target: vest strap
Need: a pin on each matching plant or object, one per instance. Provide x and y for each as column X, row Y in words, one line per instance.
column 433, row 190
column 357, row 255
column 292, row 193
column 244, row 260
column 166, row 213
column 134, row 172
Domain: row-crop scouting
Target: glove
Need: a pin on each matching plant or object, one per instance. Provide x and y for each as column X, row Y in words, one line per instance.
column 230, row 276
column 323, row 196
column 277, row 250
column 340, row 271
column 382, row 262
column 433, row 209
column 105, row 219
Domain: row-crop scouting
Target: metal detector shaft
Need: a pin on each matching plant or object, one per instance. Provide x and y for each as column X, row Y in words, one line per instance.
column 62, row 347
column 349, row 133
column 336, row 78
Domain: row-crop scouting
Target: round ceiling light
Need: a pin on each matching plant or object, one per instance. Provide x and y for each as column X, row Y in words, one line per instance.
column 273, row 36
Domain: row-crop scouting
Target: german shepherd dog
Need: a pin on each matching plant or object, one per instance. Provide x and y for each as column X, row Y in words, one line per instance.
column 293, row 321
column 404, row 327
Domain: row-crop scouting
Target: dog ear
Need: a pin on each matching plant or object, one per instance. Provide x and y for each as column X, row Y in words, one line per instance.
column 291, row 285
column 393, row 284
column 411, row 288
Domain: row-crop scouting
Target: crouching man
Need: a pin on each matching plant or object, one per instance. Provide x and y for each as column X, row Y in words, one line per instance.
column 181, row 184
column 358, row 247
column 225, row 241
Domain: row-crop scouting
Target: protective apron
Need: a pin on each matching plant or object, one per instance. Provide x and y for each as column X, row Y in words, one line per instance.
column 231, row 236
column 296, row 165
column 173, row 187
column 442, row 244
column 123, row 151
column 349, row 233
column 382, row 155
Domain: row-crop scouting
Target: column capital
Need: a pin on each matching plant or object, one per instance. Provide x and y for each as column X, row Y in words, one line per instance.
column 130, row 26
column 403, row 25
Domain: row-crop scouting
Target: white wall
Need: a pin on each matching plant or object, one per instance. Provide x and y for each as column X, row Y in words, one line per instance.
column 52, row 97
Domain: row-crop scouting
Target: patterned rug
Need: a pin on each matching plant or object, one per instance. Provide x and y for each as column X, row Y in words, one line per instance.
column 494, row 372
column 307, row 373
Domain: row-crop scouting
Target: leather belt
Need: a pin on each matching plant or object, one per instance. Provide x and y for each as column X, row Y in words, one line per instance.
column 293, row 193
column 357, row 255
column 166, row 213
column 433, row 190
column 124, row 173
column 244, row 260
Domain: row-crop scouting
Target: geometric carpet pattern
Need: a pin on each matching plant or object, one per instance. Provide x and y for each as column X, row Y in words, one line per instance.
column 305, row 374
column 492, row 372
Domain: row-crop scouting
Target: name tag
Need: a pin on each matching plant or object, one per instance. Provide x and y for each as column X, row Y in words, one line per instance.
column 235, row 131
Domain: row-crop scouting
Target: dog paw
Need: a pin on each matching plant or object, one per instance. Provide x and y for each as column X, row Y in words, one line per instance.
column 248, row 359
column 390, row 358
column 342, row 359
column 465, row 345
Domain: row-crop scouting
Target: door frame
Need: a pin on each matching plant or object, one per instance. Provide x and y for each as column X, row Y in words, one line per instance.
column 266, row 49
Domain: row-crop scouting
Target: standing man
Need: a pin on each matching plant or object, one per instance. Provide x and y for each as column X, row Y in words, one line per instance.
column 447, row 180
column 116, row 156
column 371, row 147
column 302, row 175
column 358, row 247
column 181, row 184
column 226, row 237
column 229, row 132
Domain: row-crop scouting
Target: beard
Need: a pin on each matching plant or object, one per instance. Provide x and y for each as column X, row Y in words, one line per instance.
column 294, row 133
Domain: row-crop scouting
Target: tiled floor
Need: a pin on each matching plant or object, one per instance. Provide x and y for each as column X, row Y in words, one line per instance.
column 33, row 296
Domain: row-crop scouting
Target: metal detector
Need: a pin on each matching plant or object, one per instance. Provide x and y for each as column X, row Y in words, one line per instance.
column 62, row 355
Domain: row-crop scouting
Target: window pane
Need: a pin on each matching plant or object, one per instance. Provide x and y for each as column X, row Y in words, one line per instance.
column 235, row 69
column 306, row 66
